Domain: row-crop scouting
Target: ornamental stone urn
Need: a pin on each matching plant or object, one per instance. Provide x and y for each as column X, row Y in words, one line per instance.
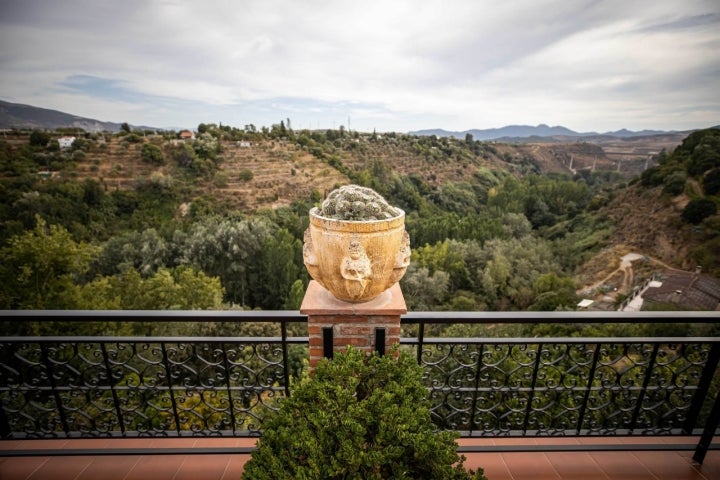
column 356, row 246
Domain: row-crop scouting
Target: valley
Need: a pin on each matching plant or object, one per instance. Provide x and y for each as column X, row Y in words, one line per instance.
column 494, row 226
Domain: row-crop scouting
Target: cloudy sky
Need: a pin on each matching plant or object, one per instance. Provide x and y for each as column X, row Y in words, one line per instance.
column 388, row 65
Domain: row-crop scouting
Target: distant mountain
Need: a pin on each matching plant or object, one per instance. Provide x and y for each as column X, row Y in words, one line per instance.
column 15, row 115
column 528, row 132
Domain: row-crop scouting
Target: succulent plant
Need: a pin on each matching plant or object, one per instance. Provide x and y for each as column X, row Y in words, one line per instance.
column 353, row 202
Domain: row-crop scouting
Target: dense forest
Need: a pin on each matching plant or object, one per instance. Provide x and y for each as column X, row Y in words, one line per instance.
column 489, row 230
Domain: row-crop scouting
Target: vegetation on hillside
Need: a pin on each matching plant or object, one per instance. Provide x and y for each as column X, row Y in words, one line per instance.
column 145, row 220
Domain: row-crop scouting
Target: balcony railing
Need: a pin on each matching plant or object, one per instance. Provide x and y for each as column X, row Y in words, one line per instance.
column 105, row 386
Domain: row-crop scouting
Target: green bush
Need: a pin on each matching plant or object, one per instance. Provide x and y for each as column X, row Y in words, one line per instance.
column 358, row 417
column 698, row 209
column 152, row 154
column 711, row 182
column 245, row 175
column 674, row 184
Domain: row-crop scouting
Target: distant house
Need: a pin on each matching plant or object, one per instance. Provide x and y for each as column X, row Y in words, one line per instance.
column 66, row 142
column 685, row 291
column 244, row 144
column 187, row 135
column 585, row 303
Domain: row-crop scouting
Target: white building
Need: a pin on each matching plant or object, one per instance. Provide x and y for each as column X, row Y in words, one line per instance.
column 66, row 142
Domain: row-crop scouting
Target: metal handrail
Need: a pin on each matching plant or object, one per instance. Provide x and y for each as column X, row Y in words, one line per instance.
column 90, row 386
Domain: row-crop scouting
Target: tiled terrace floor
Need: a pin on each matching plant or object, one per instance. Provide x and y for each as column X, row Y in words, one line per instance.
column 536, row 465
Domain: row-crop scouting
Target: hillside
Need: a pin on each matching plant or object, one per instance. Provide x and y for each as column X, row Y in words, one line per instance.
column 283, row 171
column 645, row 223
column 500, row 222
column 15, row 115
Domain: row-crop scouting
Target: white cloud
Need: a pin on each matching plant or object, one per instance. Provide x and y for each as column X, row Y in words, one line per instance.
column 400, row 65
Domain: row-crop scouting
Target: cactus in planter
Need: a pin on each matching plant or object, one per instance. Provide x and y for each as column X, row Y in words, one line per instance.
column 356, row 203
column 356, row 246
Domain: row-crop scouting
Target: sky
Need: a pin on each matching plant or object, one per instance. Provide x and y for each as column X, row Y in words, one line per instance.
column 390, row 65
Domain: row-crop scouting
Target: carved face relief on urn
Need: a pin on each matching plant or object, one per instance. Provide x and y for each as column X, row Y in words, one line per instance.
column 356, row 246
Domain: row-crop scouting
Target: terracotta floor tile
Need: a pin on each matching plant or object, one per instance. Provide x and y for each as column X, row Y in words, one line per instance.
column 203, row 466
column 622, row 465
column 61, row 468
column 530, row 466
column 234, row 468
column 493, row 464
column 668, row 465
column 576, row 465
column 710, row 467
column 156, row 467
column 535, row 465
column 20, row 468
column 110, row 467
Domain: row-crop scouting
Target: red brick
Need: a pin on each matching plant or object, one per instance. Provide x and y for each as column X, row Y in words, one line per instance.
column 393, row 332
column 355, row 330
column 315, row 341
column 354, row 341
column 386, row 319
column 316, row 352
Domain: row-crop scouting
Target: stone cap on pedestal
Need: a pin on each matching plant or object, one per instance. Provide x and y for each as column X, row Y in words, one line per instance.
column 319, row 301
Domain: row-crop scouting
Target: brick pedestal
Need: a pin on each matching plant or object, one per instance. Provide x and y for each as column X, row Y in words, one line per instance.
column 334, row 324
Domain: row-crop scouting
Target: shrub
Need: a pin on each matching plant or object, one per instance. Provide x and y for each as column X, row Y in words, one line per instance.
column 39, row 138
column 698, row 209
column 711, row 182
column 152, row 154
column 358, row 417
column 245, row 175
column 221, row 179
column 674, row 184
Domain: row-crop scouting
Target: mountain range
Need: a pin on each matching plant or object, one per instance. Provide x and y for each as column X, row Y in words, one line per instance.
column 15, row 115
column 528, row 132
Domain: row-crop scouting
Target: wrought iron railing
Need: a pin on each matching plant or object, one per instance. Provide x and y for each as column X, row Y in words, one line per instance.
column 103, row 386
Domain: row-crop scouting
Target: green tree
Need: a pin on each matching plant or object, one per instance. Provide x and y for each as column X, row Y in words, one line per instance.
column 422, row 290
column 231, row 250
column 40, row 267
column 711, row 182
column 152, row 154
column 278, row 269
column 168, row 289
column 674, row 184
column 705, row 155
column 145, row 251
column 553, row 292
column 698, row 209
column 38, row 138
column 296, row 295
